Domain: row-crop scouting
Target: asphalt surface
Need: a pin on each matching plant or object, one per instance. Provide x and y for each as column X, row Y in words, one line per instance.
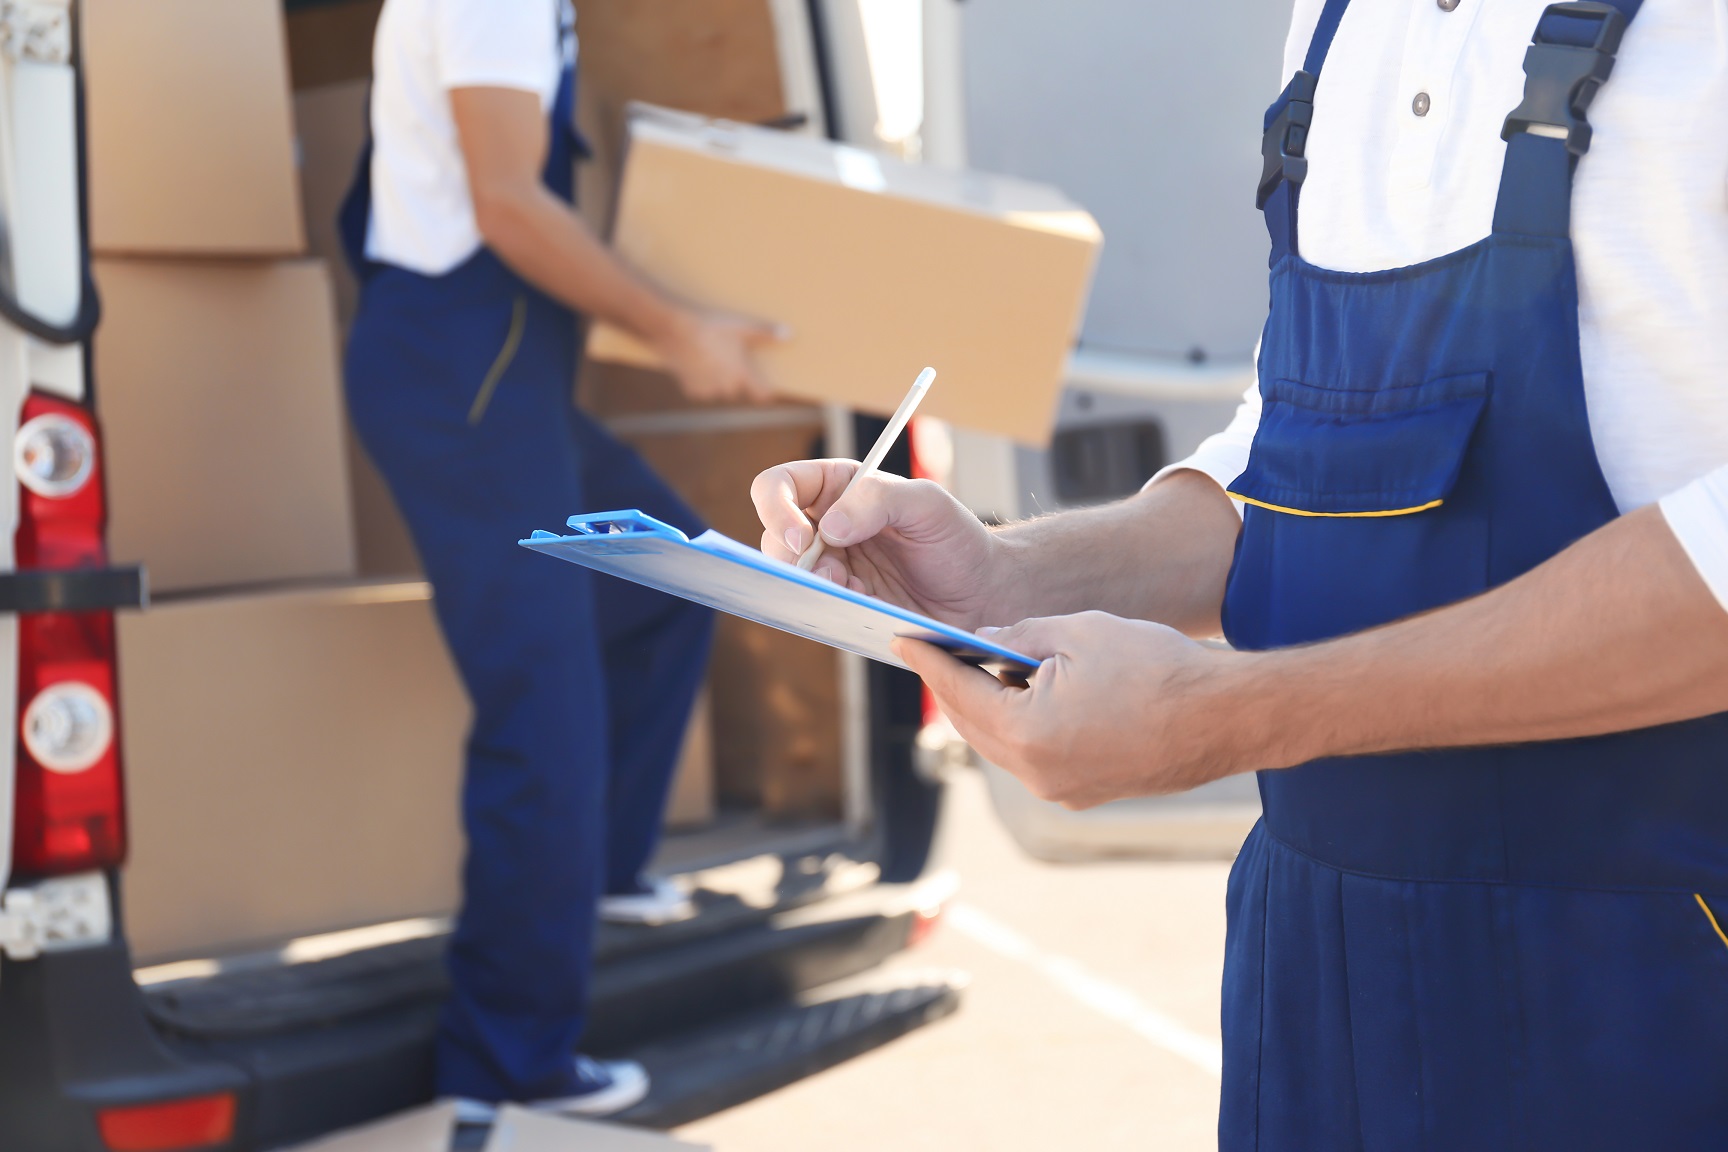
column 1091, row 1019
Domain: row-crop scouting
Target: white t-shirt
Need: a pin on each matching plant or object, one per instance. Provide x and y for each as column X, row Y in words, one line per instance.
column 422, row 215
column 1387, row 188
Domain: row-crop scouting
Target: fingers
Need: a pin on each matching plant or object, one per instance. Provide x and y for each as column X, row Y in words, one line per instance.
column 919, row 509
column 756, row 389
column 975, row 702
column 758, row 333
column 781, row 495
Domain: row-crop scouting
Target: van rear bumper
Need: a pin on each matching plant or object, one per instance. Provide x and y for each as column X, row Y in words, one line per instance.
column 310, row 1071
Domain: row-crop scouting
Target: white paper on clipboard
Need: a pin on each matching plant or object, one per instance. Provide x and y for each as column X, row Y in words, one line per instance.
column 733, row 578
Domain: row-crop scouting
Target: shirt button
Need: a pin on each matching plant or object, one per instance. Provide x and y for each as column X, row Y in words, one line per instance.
column 1421, row 104
column 1447, row 5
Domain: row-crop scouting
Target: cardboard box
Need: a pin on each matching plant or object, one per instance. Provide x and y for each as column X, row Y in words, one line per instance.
column 190, row 136
column 879, row 267
column 217, row 389
column 430, row 1129
column 776, row 697
column 519, row 1130
column 426, row 1129
column 293, row 764
column 748, row 60
column 692, row 803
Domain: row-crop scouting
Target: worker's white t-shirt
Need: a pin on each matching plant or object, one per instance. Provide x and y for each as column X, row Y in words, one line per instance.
column 1388, row 188
column 422, row 214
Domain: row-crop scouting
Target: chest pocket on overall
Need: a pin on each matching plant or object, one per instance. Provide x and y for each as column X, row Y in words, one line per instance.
column 1378, row 452
column 1368, row 480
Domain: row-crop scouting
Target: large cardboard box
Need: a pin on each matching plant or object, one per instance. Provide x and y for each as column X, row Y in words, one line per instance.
column 878, row 266
column 223, row 422
column 191, row 139
column 293, row 764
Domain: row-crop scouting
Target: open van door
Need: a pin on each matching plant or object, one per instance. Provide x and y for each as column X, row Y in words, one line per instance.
column 1150, row 116
column 61, row 822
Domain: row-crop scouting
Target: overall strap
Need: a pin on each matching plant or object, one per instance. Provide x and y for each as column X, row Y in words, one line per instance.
column 1284, row 146
column 1570, row 58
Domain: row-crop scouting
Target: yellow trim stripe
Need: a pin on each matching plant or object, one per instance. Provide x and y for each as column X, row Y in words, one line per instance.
column 500, row 364
column 1331, row 515
column 1711, row 916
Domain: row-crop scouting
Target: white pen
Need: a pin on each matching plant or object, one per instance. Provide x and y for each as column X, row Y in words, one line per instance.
column 874, row 460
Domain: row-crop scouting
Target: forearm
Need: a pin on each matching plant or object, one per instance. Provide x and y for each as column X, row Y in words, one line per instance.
column 1616, row 633
column 1161, row 555
column 547, row 244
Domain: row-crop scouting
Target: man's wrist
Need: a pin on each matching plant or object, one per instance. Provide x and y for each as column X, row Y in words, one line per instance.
column 1283, row 706
column 1010, row 564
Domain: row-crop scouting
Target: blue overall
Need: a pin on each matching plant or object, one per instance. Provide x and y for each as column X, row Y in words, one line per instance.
column 1476, row 950
column 460, row 386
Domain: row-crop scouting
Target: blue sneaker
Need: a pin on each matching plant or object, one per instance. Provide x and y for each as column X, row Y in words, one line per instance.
column 607, row 1087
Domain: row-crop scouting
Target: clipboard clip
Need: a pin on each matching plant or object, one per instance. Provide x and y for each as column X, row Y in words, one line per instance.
column 631, row 522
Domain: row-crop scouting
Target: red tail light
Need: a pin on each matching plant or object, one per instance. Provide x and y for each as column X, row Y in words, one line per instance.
column 69, row 810
column 197, row 1123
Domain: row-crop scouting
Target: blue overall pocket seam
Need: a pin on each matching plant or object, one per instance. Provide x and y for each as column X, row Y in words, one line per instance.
column 1361, row 452
column 500, row 363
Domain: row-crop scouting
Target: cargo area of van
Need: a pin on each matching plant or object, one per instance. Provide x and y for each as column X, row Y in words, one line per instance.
column 292, row 726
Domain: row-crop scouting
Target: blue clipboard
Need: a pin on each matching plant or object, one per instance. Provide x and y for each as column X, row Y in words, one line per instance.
column 720, row 572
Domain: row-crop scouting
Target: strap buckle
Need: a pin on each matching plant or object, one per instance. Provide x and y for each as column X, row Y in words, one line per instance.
column 1283, row 149
column 1572, row 55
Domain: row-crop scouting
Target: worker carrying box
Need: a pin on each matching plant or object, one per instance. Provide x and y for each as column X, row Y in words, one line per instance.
column 459, row 372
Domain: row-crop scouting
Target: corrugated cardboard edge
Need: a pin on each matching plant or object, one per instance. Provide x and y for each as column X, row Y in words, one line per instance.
column 519, row 1130
column 423, row 1130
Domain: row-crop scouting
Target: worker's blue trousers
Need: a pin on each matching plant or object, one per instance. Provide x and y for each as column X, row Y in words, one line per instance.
column 1514, row 949
column 460, row 387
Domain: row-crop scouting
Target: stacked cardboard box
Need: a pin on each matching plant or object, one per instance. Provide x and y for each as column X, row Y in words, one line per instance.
column 216, row 359
column 299, row 726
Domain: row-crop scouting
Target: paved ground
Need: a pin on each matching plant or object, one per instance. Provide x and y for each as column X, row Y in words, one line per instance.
column 1091, row 1021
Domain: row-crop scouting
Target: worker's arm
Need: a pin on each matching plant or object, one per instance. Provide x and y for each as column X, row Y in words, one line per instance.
column 1616, row 633
column 503, row 138
column 1161, row 555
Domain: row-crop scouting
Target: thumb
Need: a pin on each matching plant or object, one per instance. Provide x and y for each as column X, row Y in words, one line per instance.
column 1040, row 637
